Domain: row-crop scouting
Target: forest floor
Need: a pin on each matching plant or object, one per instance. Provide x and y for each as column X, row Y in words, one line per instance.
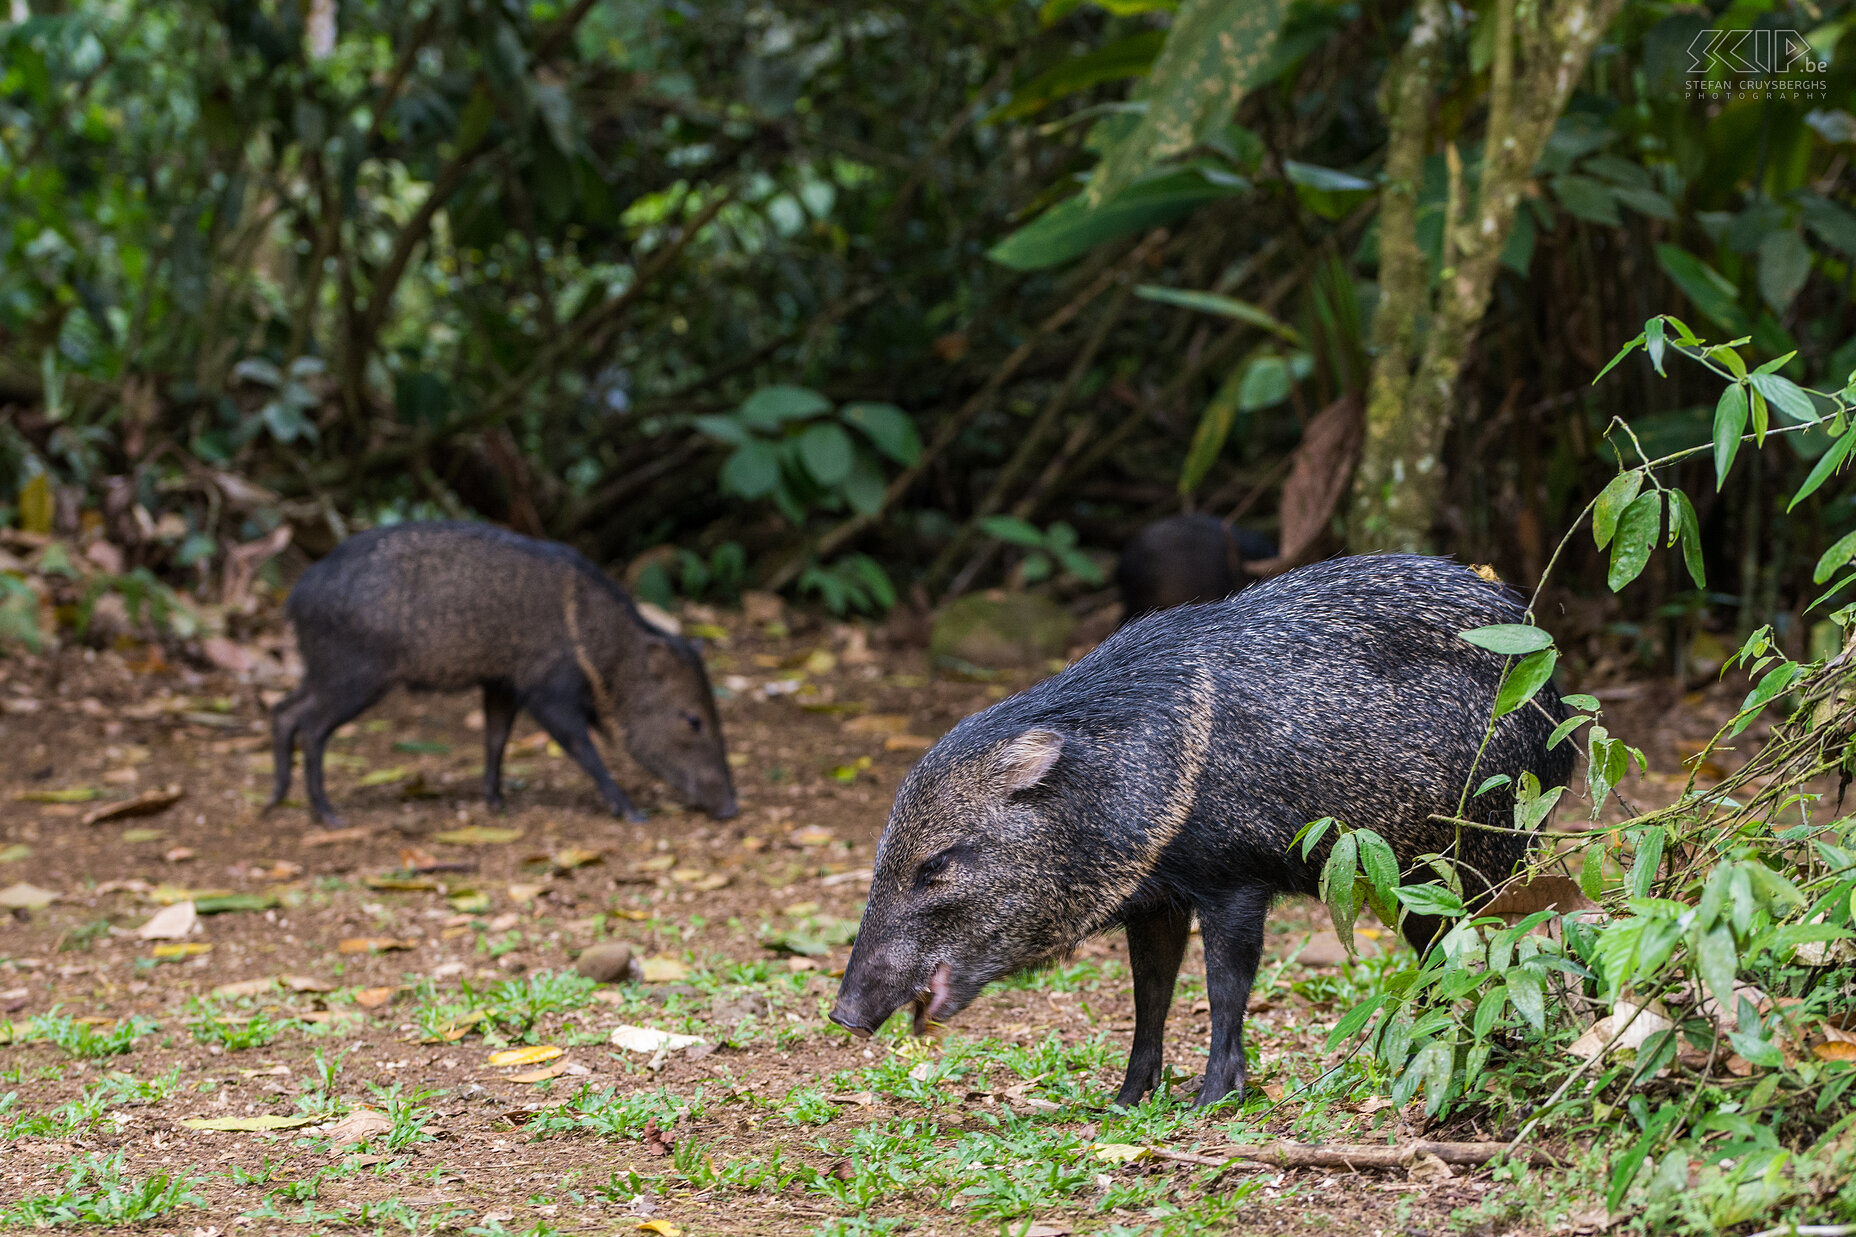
column 348, row 989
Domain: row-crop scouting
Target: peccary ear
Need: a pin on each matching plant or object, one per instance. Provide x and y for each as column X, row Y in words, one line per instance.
column 659, row 658
column 1026, row 760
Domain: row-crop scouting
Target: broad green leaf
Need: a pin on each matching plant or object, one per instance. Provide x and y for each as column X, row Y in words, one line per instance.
column 1785, row 395
column 1749, row 1043
column 1718, row 962
column 1826, row 465
column 1579, row 700
column 1012, row 529
column 1223, row 306
column 1612, row 500
column 1378, row 862
column 1729, row 426
column 1328, row 180
column 1336, row 886
column 1213, row 429
column 1645, row 202
column 1129, row 57
column 1488, row 1009
column 1436, row 1064
column 1564, row 729
column 1773, row 684
column 1430, row 900
column 1510, row 639
column 827, row 452
column 1072, row 227
column 1523, row 680
column 1637, row 531
column 1833, row 558
column 1784, row 265
column 1653, row 343
column 1311, row 834
column 1529, row 995
column 1531, row 809
column 1592, row 872
column 1829, row 221
column 888, row 428
column 1684, row 524
column 1267, row 383
column 723, row 429
column 1712, row 293
column 1354, row 1019
column 752, row 471
column 1587, row 199
column 1645, row 867
column 772, row 407
column 1211, row 49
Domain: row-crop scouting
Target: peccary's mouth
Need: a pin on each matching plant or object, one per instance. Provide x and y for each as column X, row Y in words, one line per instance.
column 935, row 998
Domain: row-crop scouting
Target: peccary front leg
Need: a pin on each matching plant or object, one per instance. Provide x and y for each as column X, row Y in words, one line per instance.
column 319, row 721
column 1156, row 942
column 1232, row 926
column 499, row 717
column 564, row 718
column 286, row 719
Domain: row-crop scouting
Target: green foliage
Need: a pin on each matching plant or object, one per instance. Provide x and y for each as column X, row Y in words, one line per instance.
column 1050, row 549
column 98, row 1192
column 855, row 582
column 792, row 446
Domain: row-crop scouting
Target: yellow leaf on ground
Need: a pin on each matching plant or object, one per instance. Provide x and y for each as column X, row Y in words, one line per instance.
column 478, row 835
column 248, row 1124
column 534, row 1054
column 657, row 863
column 374, row 998
column 662, row 969
column 663, row 1228
column 632, row 913
column 1121, row 1153
column 812, row 835
column 385, row 777
column 1835, row 1050
column 182, row 949
column 575, row 857
column 76, row 794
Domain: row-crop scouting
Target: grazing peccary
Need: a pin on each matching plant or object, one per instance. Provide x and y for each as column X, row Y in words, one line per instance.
column 1183, row 559
column 1168, row 773
column 444, row 606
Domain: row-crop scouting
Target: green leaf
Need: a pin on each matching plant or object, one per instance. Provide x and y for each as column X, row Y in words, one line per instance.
column 1835, row 557
column 1378, row 862
column 1310, row 835
column 1827, row 464
column 1785, row 395
column 1592, row 872
column 1336, row 886
column 1223, row 306
column 1328, row 180
column 1012, row 529
column 1653, row 344
column 1773, row 684
column 1529, row 995
column 1729, row 426
column 1686, row 525
column 863, row 489
column 1645, row 202
column 1266, row 383
column 1435, row 1064
column 1756, row 1048
column 1129, row 57
column 1587, row 199
column 752, row 471
column 888, row 428
column 1623, row 352
column 1073, row 227
column 1564, row 729
column 1579, row 700
column 827, row 452
column 771, row 407
column 1612, row 500
column 1718, row 962
column 1784, row 265
column 1526, row 678
column 1213, row 429
column 1712, row 293
column 1356, row 1018
column 1637, row 530
column 1648, row 862
column 1211, row 50
column 1430, row 900
column 1511, row 639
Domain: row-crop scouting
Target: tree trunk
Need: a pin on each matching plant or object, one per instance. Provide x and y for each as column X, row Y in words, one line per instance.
column 1422, row 334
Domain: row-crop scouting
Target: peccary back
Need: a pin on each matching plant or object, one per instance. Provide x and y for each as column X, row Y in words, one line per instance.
column 1168, row 772
column 444, row 606
column 1183, row 559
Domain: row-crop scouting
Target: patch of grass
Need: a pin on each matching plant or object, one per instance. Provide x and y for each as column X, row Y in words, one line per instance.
column 614, row 1115
column 236, row 1034
column 408, row 1110
column 80, row 938
column 97, row 1192
column 82, row 1039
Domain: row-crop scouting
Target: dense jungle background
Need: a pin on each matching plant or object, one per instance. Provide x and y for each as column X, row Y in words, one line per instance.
column 819, row 324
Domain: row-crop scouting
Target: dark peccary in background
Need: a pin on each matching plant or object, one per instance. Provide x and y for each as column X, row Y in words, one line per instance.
column 1183, row 559
column 445, row 606
column 1168, row 773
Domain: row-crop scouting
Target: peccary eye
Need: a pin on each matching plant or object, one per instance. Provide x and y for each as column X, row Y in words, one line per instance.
column 932, row 867
column 695, row 723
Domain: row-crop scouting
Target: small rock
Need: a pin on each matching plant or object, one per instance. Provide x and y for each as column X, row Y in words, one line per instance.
column 728, row 1011
column 663, row 992
column 605, row 963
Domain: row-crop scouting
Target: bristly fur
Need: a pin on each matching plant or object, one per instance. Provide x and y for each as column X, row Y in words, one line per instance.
column 1195, row 743
column 450, row 605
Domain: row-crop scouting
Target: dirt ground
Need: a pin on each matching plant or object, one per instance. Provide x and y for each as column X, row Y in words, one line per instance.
column 381, row 945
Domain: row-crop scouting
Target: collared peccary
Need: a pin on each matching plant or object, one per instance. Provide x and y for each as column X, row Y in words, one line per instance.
column 1183, row 559
column 1168, row 772
column 444, row 606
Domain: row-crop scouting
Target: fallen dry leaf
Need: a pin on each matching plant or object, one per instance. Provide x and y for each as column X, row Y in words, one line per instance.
column 1635, row 1030
column 374, row 998
column 272, row 1121
column 373, row 944
column 181, row 949
column 145, row 804
column 247, row 987
column 907, row 743
column 663, row 1228
column 477, row 835
column 661, row 969
column 1835, row 1050
column 23, row 896
column 575, row 857
column 74, row 794
column 534, row 1054
column 543, row 1074
column 1546, row 892
column 648, row 1039
column 304, row 983
column 1121, row 1153
column 811, row 835
column 1428, row 1168
column 333, row 837
column 171, row 923
column 657, row 863
column 877, row 723
column 358, row 1126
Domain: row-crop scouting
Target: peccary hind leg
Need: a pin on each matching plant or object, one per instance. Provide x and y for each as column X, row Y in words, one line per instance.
column 499, row 716
column 1156, row 942
column 563, row 716
column 286, row 719
column 323, row 714
column 1232, row 925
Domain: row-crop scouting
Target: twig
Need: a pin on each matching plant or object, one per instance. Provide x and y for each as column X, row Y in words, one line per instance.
column 1286, row 1154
